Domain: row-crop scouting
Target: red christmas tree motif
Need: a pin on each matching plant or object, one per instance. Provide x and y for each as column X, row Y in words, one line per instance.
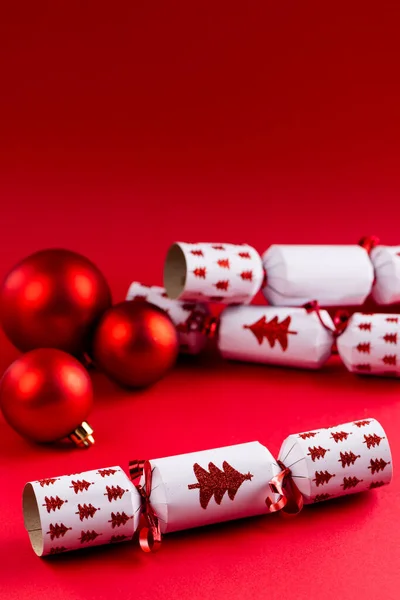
column 361, row 423
column 200, row 272
column 350, row 482
column 197, row 252
column 118, row 519
column 247, row 275
column 57, row 530
column 115, row 539
column 321, row 497
column 53, row 503
column 86, row 511
column 188, row 307
column 348, row 458
column 80, row 486
column 272, row 330
column 392, row 319
column 364, row 347
column 389, row 359
column 107, row 472
column 48, row 481
column 218, row 247
column 57, row 550
column 216, row 482
column 372, row 440
column 377, row 465
column 88, row 536
column 376, row 484
column 364, row 367
column 308, row 434
column 390, row 338
column 224, row 263
column 114, row 492
column 339, row 436
column 222, row 285
column 317, row 452
column 244, row 254
column 365, row 326
column 322, row 477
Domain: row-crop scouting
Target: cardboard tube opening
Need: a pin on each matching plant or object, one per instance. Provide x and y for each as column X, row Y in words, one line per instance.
column 32, row 519
column 175, row 271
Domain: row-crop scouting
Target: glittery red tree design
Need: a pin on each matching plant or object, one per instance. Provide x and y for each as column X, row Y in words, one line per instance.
column 200, row 272
column 390, row 338
column 350, row 482
column 361, row 423
column 57, row 550
column 339, row 436
column 114, row 492
column 197, row 252
column 88, row 536
column 365, row 326
column 272, row 330
column 372, row 440
column 86, row 511
column 308, row 434
column 321, row 497
column 218, row 247
column 80, row 485
column 317, row 452
column 57, row 531
column 118, row 519
column 392, row 319
column 48, row 481
column 389, row 359
column 244, row 254
column 223, row 263
column 216, row 482
column 377, row 465
column 364, row 347
column 322, row 477
column 376, row 484
column 348, row 458
column 107, row 472
column 222, row 285
column 115, row 539
column 52, row 503
column 247, row 275
column 363, row 367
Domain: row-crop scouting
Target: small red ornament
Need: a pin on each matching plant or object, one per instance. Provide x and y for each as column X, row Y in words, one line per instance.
column 135, row 344
column 53, row 299
column 46, row 395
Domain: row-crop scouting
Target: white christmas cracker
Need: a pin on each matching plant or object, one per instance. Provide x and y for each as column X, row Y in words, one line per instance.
column 369, row 344
column 331, row 275
column 226, row 273
column 80, row 510
column 386, row 262
column 337, row 461
column 190, row 341
column 280, row 336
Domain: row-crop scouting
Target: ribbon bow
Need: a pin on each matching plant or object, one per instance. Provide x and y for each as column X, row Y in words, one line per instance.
column 150, row 532
column 291, row 501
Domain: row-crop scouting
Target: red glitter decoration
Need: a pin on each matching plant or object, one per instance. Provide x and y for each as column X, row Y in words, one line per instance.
column 197, row 252
column 247, row 275
column 364, row 347
column 365, row 326
column 376, row 484
column 200, row 272
column 389, row 359
column 115, row 539
column 390, row 338
column 350, row 482
column 53, row 503
column 339, row 436
column 392, row 319
column 216, row 482
column 363, row 367
column 361, row 423
column 80, row 486
column 57, row 530
column 48, row 481
column 348, row 458
column 107, row 472
column 244, row 254
column 307, row 435
column 57, row 550
column 321, row 497
column 377, row 465
column 317, row 452
column 88, row 536
column 372, row 440
column 218, row 247
column 322, row 477
column 223, row 263
column 114, row 492
column 118, row 519
column 272, row 330
column 86, row 511
column 222, row 285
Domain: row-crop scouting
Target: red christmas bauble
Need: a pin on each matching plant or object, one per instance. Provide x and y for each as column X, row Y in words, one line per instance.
column 53, row 299
column 45, row 395
column 135, row 344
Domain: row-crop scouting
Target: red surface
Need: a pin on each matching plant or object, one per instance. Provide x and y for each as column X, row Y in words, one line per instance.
column 128, row 126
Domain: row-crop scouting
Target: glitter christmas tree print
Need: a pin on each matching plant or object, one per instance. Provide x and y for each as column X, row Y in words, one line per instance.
column 216, row 482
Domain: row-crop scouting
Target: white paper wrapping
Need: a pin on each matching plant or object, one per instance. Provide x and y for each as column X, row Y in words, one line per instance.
column 279, row 336
column 369, row 344
column 226, row 273
column 191, row 490
column 386, row 262
column 337, row 461
column 189, row 343
column 81, row 510
column 332, row 275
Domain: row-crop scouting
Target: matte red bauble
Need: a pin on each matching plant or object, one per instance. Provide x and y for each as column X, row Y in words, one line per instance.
column 46, row 395
column 53, row 299
column 135, row 344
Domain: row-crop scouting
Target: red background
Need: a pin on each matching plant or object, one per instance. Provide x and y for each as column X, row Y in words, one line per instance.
column 127, row 126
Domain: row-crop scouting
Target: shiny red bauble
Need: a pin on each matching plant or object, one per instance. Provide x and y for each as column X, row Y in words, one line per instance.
column 135, row 344
column 53, row 299
column 45, row 395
